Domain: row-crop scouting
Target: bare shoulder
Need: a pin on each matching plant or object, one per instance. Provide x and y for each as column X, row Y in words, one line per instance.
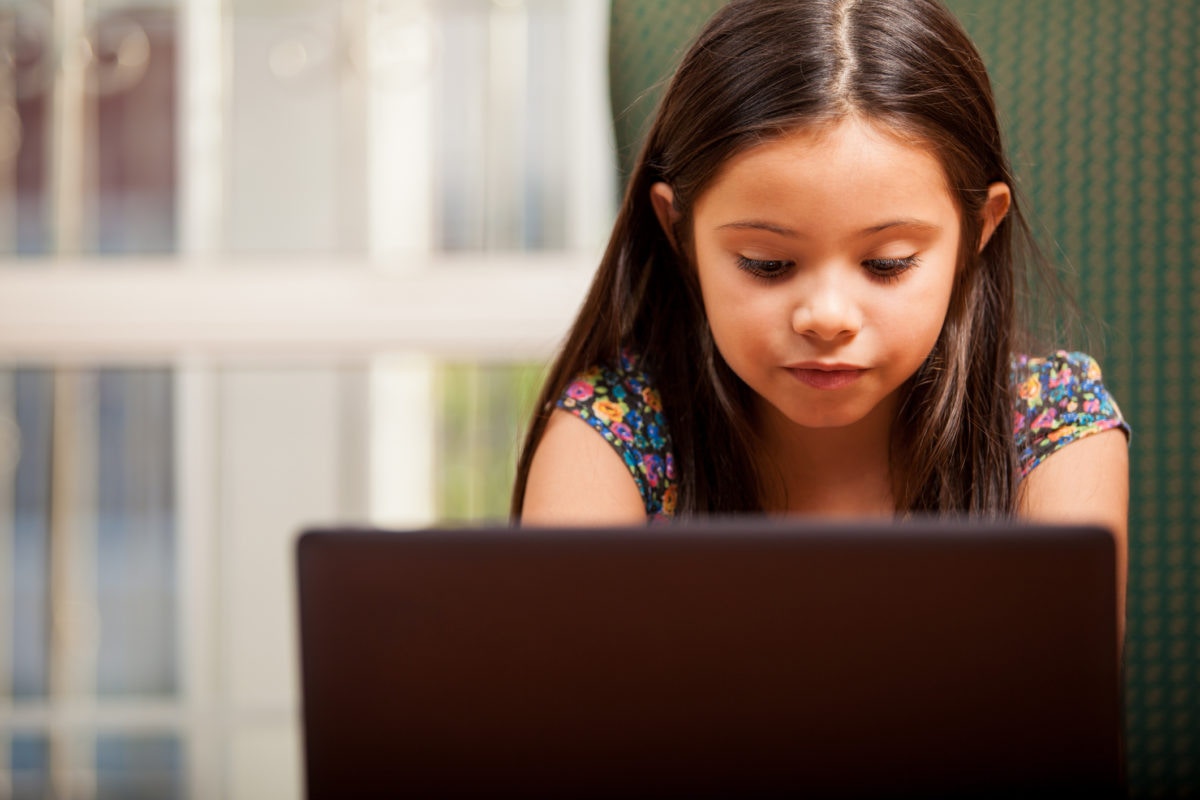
column 1086, row 481
column 577, row 478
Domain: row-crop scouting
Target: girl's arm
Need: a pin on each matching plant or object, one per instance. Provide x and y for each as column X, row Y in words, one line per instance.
column 577, row 478
column 1086, row 481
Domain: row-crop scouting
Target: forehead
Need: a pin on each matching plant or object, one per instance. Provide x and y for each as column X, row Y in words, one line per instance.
column 849, row 170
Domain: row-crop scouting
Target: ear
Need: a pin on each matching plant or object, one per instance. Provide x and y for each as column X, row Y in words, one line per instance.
column 994, row 210
column 662, row 197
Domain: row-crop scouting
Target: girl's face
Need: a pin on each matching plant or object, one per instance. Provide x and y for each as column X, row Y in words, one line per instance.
column 826, row 261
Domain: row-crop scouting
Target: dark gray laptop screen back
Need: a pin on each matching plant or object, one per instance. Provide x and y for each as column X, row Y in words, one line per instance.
column 750, row 659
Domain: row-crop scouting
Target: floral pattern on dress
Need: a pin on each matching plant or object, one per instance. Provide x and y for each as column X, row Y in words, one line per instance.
column 623, row 406
column 1059, row 399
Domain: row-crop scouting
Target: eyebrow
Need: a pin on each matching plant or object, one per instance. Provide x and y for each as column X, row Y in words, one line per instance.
column 917, row 225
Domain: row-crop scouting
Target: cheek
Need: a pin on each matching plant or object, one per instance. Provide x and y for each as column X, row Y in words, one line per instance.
column 929, row 309
column 714, row 288
column 724, row 320
column 732, row 308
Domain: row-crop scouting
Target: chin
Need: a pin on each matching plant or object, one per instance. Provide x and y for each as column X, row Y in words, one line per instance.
column 831, row 419
column 826, row 423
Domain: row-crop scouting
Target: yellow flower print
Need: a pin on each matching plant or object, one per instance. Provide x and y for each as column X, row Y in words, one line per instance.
column 1031, row 389
column 1062, row 433
column 607, row 410
column 668, row 501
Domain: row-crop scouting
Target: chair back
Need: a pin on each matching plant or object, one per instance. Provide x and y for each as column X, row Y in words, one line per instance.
column 1100, row 100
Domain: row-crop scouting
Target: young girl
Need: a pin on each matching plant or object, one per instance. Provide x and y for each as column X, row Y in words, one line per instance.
column 808, row 304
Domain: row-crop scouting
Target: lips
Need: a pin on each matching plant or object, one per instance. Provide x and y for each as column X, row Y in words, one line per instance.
column 827, row 376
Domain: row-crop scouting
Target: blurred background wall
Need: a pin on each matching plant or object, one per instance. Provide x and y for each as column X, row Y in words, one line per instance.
column 263, row 264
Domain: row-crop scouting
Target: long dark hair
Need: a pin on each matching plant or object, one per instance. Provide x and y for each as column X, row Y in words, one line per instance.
column 758, row 70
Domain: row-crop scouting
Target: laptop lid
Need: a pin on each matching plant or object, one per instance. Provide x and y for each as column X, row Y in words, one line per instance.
column 711, row 659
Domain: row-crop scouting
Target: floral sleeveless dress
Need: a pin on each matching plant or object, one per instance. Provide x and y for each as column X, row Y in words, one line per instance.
column 1059, row 399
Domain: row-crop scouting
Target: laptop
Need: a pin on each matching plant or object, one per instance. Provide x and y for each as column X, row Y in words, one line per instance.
column 726, row 658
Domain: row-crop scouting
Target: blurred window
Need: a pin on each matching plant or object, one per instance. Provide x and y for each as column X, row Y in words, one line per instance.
column 151, row 486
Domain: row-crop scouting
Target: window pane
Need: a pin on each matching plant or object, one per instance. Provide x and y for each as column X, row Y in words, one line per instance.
column 24, row 110
column 294, row 131
column 125, row 186
column 135, row 533
column 29, row 760
column 119, row 503
column 32, row 401
column 133, row 80
column 138, row 768
column 502, row 135
column 484, row 410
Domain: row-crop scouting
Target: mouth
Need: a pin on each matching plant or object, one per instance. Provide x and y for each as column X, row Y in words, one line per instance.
column 827, row 376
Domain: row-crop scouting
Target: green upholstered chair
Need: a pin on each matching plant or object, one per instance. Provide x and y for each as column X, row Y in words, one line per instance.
column 1101, row 103
column 646, row 40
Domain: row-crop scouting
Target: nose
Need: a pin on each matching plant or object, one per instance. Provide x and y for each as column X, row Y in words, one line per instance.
column 826, row 309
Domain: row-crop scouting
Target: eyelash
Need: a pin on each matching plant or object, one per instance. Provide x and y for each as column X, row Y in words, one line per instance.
column 890, row 269
column 882, row 269
column 763, row 269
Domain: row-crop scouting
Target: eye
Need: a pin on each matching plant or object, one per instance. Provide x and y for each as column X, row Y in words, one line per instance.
column 763, row 269
column 890, row 269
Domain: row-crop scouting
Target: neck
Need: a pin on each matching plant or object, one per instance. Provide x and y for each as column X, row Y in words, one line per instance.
column 827, row 471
